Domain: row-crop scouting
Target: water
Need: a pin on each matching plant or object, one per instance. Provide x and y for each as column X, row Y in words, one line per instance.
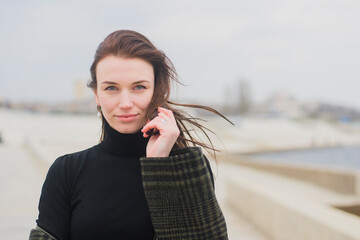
column 339, row 157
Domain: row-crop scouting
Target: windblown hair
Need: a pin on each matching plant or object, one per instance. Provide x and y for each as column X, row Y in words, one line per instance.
column 131, row 44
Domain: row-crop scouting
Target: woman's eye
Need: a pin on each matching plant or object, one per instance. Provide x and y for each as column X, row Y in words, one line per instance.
column 139, row 87
column 111, row 88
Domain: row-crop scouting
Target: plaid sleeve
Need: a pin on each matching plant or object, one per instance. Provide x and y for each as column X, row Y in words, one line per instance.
column 40, row 234
column 181, row 197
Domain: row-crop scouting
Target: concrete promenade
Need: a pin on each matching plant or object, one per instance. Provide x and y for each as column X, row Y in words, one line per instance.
column 20, row 184
column 288, row 208
column 32, row 142
column 21, row 178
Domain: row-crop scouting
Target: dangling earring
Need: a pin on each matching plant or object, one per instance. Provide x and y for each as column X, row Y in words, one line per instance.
column 99, row 115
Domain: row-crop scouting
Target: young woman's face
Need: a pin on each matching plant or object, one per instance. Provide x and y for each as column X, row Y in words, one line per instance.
column 125, row 87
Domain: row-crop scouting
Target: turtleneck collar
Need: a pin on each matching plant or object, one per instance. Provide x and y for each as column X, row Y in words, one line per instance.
column 124, row 144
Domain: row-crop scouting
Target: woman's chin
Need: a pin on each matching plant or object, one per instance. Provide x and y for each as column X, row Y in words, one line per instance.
column 128, row 130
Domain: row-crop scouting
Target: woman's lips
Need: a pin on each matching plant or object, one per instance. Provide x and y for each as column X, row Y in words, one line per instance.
column 126, row 117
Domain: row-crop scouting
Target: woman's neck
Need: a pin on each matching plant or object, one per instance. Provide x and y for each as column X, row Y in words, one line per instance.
column 124, row 144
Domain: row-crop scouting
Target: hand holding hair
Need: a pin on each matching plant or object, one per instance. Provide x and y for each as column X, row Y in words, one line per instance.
column 161, row 144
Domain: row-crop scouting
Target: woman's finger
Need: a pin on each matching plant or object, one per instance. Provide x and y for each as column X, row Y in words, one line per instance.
column 150, row 125
column 164, row 116
column 164, row 123
column 159, row 123
column 168, row 113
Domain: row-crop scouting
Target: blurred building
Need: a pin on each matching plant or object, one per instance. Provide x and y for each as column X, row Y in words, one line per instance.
column 81, row 91
column 281, row 105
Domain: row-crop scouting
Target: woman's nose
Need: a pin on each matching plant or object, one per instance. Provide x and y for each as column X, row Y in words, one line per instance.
column 125, row 101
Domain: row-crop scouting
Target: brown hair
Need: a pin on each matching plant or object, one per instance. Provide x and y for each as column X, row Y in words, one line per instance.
column 131, row 44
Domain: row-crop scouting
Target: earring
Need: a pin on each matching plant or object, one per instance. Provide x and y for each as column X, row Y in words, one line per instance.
column 99, row 115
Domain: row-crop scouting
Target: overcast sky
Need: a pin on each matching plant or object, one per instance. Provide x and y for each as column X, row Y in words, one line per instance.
column 307, row 48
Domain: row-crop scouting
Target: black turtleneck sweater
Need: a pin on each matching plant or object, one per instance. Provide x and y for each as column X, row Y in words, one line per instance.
column 98, row 193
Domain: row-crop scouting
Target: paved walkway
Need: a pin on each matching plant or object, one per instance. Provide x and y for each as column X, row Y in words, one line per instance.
column 20, row 185
column 238, row 227
column 21, row 179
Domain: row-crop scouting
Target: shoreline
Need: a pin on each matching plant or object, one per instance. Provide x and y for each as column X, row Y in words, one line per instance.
column 294, row 149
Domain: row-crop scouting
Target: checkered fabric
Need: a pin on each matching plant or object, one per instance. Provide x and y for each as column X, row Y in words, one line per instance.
column 40, row 234
column 181, row 197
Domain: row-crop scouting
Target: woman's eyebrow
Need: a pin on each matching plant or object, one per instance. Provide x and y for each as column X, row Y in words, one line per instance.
column 109, row 82
column 141, row 81
column 137, row 82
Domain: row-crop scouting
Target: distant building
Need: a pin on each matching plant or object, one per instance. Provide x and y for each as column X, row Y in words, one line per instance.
column 282, row 105
column 81, row 91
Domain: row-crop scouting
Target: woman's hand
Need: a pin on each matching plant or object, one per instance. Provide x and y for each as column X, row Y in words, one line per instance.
column 161, row 144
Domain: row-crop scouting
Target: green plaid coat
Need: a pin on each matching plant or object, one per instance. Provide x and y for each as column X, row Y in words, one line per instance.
column 180, row 196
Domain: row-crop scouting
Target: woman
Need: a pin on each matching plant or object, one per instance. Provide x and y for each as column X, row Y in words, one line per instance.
column 146, row 179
